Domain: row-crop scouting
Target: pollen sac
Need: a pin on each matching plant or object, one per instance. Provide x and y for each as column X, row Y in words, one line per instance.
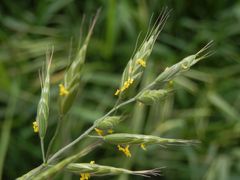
column 62, row 90
column 100, row 132
column 125, row 150
column 141, row 62
column 35, row 127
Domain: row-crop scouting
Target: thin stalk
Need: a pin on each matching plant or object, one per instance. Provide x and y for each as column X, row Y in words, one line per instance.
column 58, row 153
column 65, row 148
column 43, row 152
column 31, row 173
column 59, row 123
column 50, row 172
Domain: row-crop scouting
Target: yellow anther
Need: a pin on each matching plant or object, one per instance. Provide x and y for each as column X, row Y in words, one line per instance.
column 143, row 147
column 62, row 90
column 123, row 89
column 110, row 131
column 141, row 62
column 35, row 127
column 92, row 162
column 125, row 86
column 117, row 92
column 125, row 150
column 85, row 176
column 130, row 81
column 99, row 131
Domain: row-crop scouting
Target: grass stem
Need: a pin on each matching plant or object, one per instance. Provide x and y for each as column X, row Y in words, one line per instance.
column 43, row 152
column 65, row 148
column 59, row 123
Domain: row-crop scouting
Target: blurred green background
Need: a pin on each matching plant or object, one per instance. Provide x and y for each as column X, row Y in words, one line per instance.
column 205, row 104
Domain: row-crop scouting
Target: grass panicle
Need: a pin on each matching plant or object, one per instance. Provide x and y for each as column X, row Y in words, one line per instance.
column 103, row 126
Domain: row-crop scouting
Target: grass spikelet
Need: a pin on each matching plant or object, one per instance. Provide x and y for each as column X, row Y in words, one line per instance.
column 109, row 122
column 43, row 105
column 41, row 123
column 138, row 139
column 182, row 66
column 69, row 88
column 135, row 67
column 151, row 96
column 100, row 170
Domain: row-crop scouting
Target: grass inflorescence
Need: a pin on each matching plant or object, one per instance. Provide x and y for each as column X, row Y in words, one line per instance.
column 104, row 125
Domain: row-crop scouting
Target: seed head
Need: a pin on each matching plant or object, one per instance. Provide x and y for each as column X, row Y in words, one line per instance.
column 139, row 139
column 43, row 105
column 101, row 170
column 69, row 88
column 171, row 72
column 134, row 69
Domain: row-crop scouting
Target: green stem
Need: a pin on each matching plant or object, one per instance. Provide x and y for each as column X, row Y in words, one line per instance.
column 65, row 148
column 54, row 136
column 43, row 152
column 31, row 173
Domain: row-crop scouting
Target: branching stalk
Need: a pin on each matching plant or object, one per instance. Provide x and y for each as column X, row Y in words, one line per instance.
column 65, row 148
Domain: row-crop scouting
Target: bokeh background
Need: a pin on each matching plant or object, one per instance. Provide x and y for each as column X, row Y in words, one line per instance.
column 205, row 104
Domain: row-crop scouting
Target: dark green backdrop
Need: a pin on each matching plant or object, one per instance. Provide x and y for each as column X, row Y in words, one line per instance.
column 205, row 104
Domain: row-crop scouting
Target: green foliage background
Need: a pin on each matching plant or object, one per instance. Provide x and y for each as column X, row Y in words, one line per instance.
column 205, row 104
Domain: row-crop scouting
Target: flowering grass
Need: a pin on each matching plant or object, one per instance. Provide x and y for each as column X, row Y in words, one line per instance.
column 104, row 126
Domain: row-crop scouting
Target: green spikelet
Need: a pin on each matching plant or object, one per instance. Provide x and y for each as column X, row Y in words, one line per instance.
column 109, row 122
column 43, row 105
column 73, row 74
column 151, row 96
column 100, row 170
column 182, row 66
column 124, row 138
column 135, row 67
